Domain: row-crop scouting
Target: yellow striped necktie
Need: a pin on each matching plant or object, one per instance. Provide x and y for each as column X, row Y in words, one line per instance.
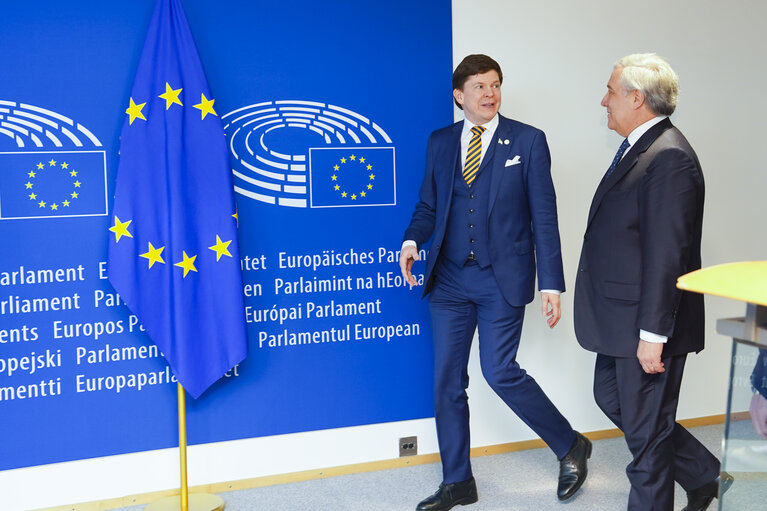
column 473, row 155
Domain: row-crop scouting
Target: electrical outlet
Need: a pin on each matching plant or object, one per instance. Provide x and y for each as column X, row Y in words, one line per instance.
column 408, row 446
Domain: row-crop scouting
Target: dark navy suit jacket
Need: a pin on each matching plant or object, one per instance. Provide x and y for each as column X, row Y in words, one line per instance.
column 643, row 232
column 522, row 212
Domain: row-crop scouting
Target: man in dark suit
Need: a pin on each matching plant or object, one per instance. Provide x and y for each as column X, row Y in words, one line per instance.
column 643, row 232
column 488, row 201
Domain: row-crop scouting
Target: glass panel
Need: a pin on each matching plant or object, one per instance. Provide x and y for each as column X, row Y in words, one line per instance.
column 745, row 435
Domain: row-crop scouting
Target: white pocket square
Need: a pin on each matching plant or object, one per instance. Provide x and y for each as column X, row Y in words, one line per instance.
column 515, row 161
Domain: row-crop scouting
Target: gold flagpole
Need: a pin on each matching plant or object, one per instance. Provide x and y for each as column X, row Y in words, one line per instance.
column 186, row 502
column 182, row 447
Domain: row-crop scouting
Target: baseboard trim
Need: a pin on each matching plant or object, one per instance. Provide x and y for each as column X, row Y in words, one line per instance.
column 358, row 468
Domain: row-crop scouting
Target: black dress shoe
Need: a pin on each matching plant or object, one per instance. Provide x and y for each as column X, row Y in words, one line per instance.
column 700, row 498
column 450, row 495
column 572, row 468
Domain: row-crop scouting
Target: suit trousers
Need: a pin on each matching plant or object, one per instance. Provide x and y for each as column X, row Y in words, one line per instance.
column 644, row 407
column 463, row 299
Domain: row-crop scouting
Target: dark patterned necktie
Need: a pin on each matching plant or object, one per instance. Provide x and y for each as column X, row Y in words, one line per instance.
column 473, row 155
column 621, row 150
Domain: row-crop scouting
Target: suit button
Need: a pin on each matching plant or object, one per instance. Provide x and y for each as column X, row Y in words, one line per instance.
column 471, row 196
column 471, row 226
column 471, row 240
column 581, row 270
column 471, row 211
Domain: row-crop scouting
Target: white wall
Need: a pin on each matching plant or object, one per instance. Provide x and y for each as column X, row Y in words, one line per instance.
column 557, row 56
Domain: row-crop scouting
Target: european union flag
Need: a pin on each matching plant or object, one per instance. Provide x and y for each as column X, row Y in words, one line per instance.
column 352, row 176
column 173, row 251
column 51, row 184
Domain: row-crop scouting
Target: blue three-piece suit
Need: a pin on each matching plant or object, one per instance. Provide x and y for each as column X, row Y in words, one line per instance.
column 488, row 240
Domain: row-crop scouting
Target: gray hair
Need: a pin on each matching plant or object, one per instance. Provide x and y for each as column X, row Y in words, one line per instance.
column 653, row 76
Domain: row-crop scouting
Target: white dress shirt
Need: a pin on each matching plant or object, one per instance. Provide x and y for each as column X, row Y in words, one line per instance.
column 487, row 137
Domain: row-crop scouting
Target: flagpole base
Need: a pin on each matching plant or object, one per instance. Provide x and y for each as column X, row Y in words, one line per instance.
column 197, row 502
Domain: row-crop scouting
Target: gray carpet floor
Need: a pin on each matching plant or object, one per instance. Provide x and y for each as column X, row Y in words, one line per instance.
column 518, row 481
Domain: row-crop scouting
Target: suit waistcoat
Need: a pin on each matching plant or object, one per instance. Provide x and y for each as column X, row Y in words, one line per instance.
column 466, row 230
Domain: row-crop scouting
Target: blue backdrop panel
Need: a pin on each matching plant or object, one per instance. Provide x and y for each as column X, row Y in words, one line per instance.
column 326, row 113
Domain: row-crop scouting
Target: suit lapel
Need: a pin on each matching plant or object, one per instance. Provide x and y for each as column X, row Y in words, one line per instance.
column 626, row 164
column 451, row 165
column 454, row 156
column 496, row 158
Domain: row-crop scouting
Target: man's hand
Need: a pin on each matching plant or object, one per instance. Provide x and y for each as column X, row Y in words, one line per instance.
column 649, row 354
column 407, row 256
column 550, row 308
column 758, row 411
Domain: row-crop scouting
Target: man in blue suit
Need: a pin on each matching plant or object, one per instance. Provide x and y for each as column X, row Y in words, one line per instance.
column 488, row 201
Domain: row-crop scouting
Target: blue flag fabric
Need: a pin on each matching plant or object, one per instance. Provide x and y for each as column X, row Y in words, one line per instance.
column 173, row 251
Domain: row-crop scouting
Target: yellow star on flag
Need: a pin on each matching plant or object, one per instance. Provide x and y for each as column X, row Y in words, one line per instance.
column 40, row 166
column 73, row 173
column 352, row 157
column 362, row 160
column 354, row 196
column 187, row 264
column 369, row 167
column 64, row 165
column 343, row 194
column 153, row 255
column 134, row 111
column 65, row 203
column 221, row 248
column 334, row 177
column 171, row 96
column 41, row 203
column 372, row 176
column 32, row 196
column 54, row 206
column 343, row 160
column 370, row 187
column 74, row 195
column 362, row 194
column 77, row 184
column 52, row 163
column 206, row 107
column 28, row 185
column 236, row 218
column 119, row 228
column 31, row 173
column 337, row 187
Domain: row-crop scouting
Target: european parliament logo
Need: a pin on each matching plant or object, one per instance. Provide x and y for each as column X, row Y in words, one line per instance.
column 306, row 154
column 48, row 167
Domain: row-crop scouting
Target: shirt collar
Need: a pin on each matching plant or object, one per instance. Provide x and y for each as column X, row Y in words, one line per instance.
column 644, row 128
column 489, row 126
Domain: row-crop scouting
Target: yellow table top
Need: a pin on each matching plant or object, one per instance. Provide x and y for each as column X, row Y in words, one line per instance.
column 746, row 281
